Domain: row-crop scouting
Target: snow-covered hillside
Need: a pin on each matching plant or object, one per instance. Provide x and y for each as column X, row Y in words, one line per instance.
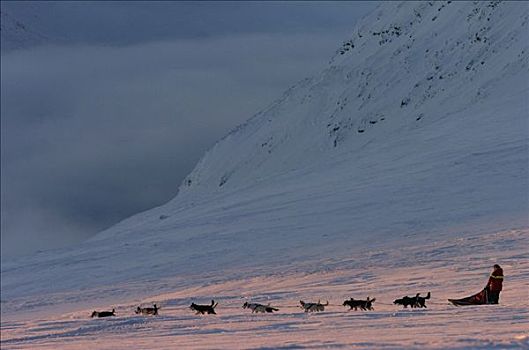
column 406, row 69
column 416, row 133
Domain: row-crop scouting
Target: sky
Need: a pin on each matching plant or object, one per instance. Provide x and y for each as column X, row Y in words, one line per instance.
column 107, row 106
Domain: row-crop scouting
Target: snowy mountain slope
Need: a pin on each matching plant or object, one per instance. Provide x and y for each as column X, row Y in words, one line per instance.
column 407, row 65
column 417, row 133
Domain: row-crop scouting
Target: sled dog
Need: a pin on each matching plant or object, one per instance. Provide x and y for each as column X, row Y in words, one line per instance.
column 421, row 301
column 103, row 313
column 362, row 304
column 313, row 307
column 204, row 309
column 147, row 310
column 406, row 301
column 259, row 307
column 416, row 301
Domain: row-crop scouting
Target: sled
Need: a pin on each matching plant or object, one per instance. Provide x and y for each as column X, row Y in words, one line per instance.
column 480, row 298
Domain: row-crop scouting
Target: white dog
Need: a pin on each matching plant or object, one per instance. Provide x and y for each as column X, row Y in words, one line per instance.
column 259, row 307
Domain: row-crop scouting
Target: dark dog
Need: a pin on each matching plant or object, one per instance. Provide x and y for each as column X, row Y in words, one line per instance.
column 148, row 310
column 362, row 304
column 313, row 307
column 421, row 301
column 416, row 301
column 407, row 301
column 259, row 307
column 103, row 313
column 204, row 309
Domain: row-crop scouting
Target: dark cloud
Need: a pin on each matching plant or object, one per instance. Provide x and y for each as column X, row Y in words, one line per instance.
column 125, row 23
column 92, row 134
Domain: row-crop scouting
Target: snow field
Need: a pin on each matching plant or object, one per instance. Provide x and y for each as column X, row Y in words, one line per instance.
column 447, row 268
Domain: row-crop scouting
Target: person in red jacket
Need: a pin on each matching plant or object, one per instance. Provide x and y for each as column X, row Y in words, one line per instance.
column 495, row 284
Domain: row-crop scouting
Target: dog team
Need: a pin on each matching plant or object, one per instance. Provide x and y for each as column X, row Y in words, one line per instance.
column 354, row 304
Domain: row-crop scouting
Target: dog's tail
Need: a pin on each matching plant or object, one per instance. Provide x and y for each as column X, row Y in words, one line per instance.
column 428, row 295
column 213, row 304
column 326, row 304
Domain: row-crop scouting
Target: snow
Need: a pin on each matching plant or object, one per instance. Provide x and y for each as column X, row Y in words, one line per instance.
column 447, row 268
column 401, row 168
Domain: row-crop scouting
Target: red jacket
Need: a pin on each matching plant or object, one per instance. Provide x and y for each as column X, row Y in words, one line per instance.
column 496, row 280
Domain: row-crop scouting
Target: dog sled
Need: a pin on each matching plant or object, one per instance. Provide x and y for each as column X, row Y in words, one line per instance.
column 480, row 298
